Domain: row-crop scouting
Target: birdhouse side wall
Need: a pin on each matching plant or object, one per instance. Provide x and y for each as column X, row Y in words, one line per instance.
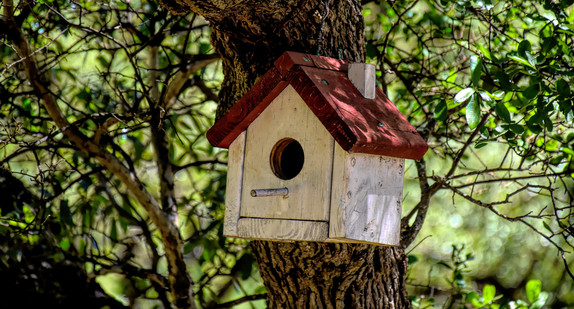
column 234, row 183
column 366, row 198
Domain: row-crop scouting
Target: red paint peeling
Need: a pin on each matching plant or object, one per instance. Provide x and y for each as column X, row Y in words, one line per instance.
column 373, row 126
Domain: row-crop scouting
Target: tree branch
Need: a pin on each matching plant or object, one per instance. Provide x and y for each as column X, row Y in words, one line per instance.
column 408, row 234
column 241, row 300
column 178, row 81
column 180, row 282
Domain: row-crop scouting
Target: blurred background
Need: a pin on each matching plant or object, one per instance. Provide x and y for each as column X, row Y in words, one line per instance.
column 69, row 230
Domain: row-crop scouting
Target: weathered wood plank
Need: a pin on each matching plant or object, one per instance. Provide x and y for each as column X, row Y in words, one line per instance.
column 309, row 191
column 362, row 75
column 337, row 223
column 234, row 184
column 278, row 229
column 368, row 208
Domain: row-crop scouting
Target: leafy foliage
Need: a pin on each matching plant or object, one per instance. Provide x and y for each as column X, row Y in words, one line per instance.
column 488, row 84
column 141, row 83
column 464, row 296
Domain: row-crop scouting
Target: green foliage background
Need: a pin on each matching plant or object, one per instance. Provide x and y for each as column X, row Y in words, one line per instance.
column 489, row 84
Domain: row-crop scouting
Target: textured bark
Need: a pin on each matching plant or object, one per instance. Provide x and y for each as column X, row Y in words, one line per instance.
column 249, row 35
column 324, row 275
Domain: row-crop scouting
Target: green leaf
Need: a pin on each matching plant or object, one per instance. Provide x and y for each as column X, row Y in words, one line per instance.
column 531, row 91
column 488, row 293
column 480, row 144
column 523, row 47
column 204, row 48
column 244, row 265
column 188, row 247
column 498, row 95
column 474, row 299
column 556, row 161
column 103, row 61
column 441, row 111
column 521, row 61
column 209, row 250
column 114, row 231
column 562, row 88
column 531, row 59
column 540, row 302
column 548, row 44
column 29, row 214
column 483, row 51
column 371, row 51
column 473, row 112
column 463, row 95
column 486, row 97
column 502, row 111
column 567, row 151
column 517, row 129
column 475, row 69
column 65, row 244
column 548, row 124
column 533, row 288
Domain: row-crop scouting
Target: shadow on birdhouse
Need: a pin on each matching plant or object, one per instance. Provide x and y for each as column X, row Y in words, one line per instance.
column 316, row 153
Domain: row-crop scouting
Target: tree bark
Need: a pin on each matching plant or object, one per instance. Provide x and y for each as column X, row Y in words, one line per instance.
column 331, row 275
column 249, row 35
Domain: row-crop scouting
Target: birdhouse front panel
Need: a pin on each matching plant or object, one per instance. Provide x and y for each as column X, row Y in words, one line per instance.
column 287, row 147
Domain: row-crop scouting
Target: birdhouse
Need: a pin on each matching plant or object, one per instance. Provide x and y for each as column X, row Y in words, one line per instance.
column 316, row 153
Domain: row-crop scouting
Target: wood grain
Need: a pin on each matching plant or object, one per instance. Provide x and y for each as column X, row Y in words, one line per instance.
column 234, row 184
column 362, row 75
column 309, row 191
column 366, row 198
column 278, row 229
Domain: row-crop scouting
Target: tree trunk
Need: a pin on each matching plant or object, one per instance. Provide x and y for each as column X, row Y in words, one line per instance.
column 330, row 275
column 249, row 35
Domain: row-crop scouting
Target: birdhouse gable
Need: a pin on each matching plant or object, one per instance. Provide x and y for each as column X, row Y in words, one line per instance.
column 287, row 147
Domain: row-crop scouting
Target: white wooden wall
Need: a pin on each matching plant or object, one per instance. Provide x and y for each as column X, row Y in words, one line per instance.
column 309, row 191
column 366, row 198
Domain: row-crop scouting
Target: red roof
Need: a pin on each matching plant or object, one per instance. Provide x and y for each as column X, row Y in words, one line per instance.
column 373, row 126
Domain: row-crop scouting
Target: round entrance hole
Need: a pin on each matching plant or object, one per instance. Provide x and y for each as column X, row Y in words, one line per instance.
column 287, row 158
